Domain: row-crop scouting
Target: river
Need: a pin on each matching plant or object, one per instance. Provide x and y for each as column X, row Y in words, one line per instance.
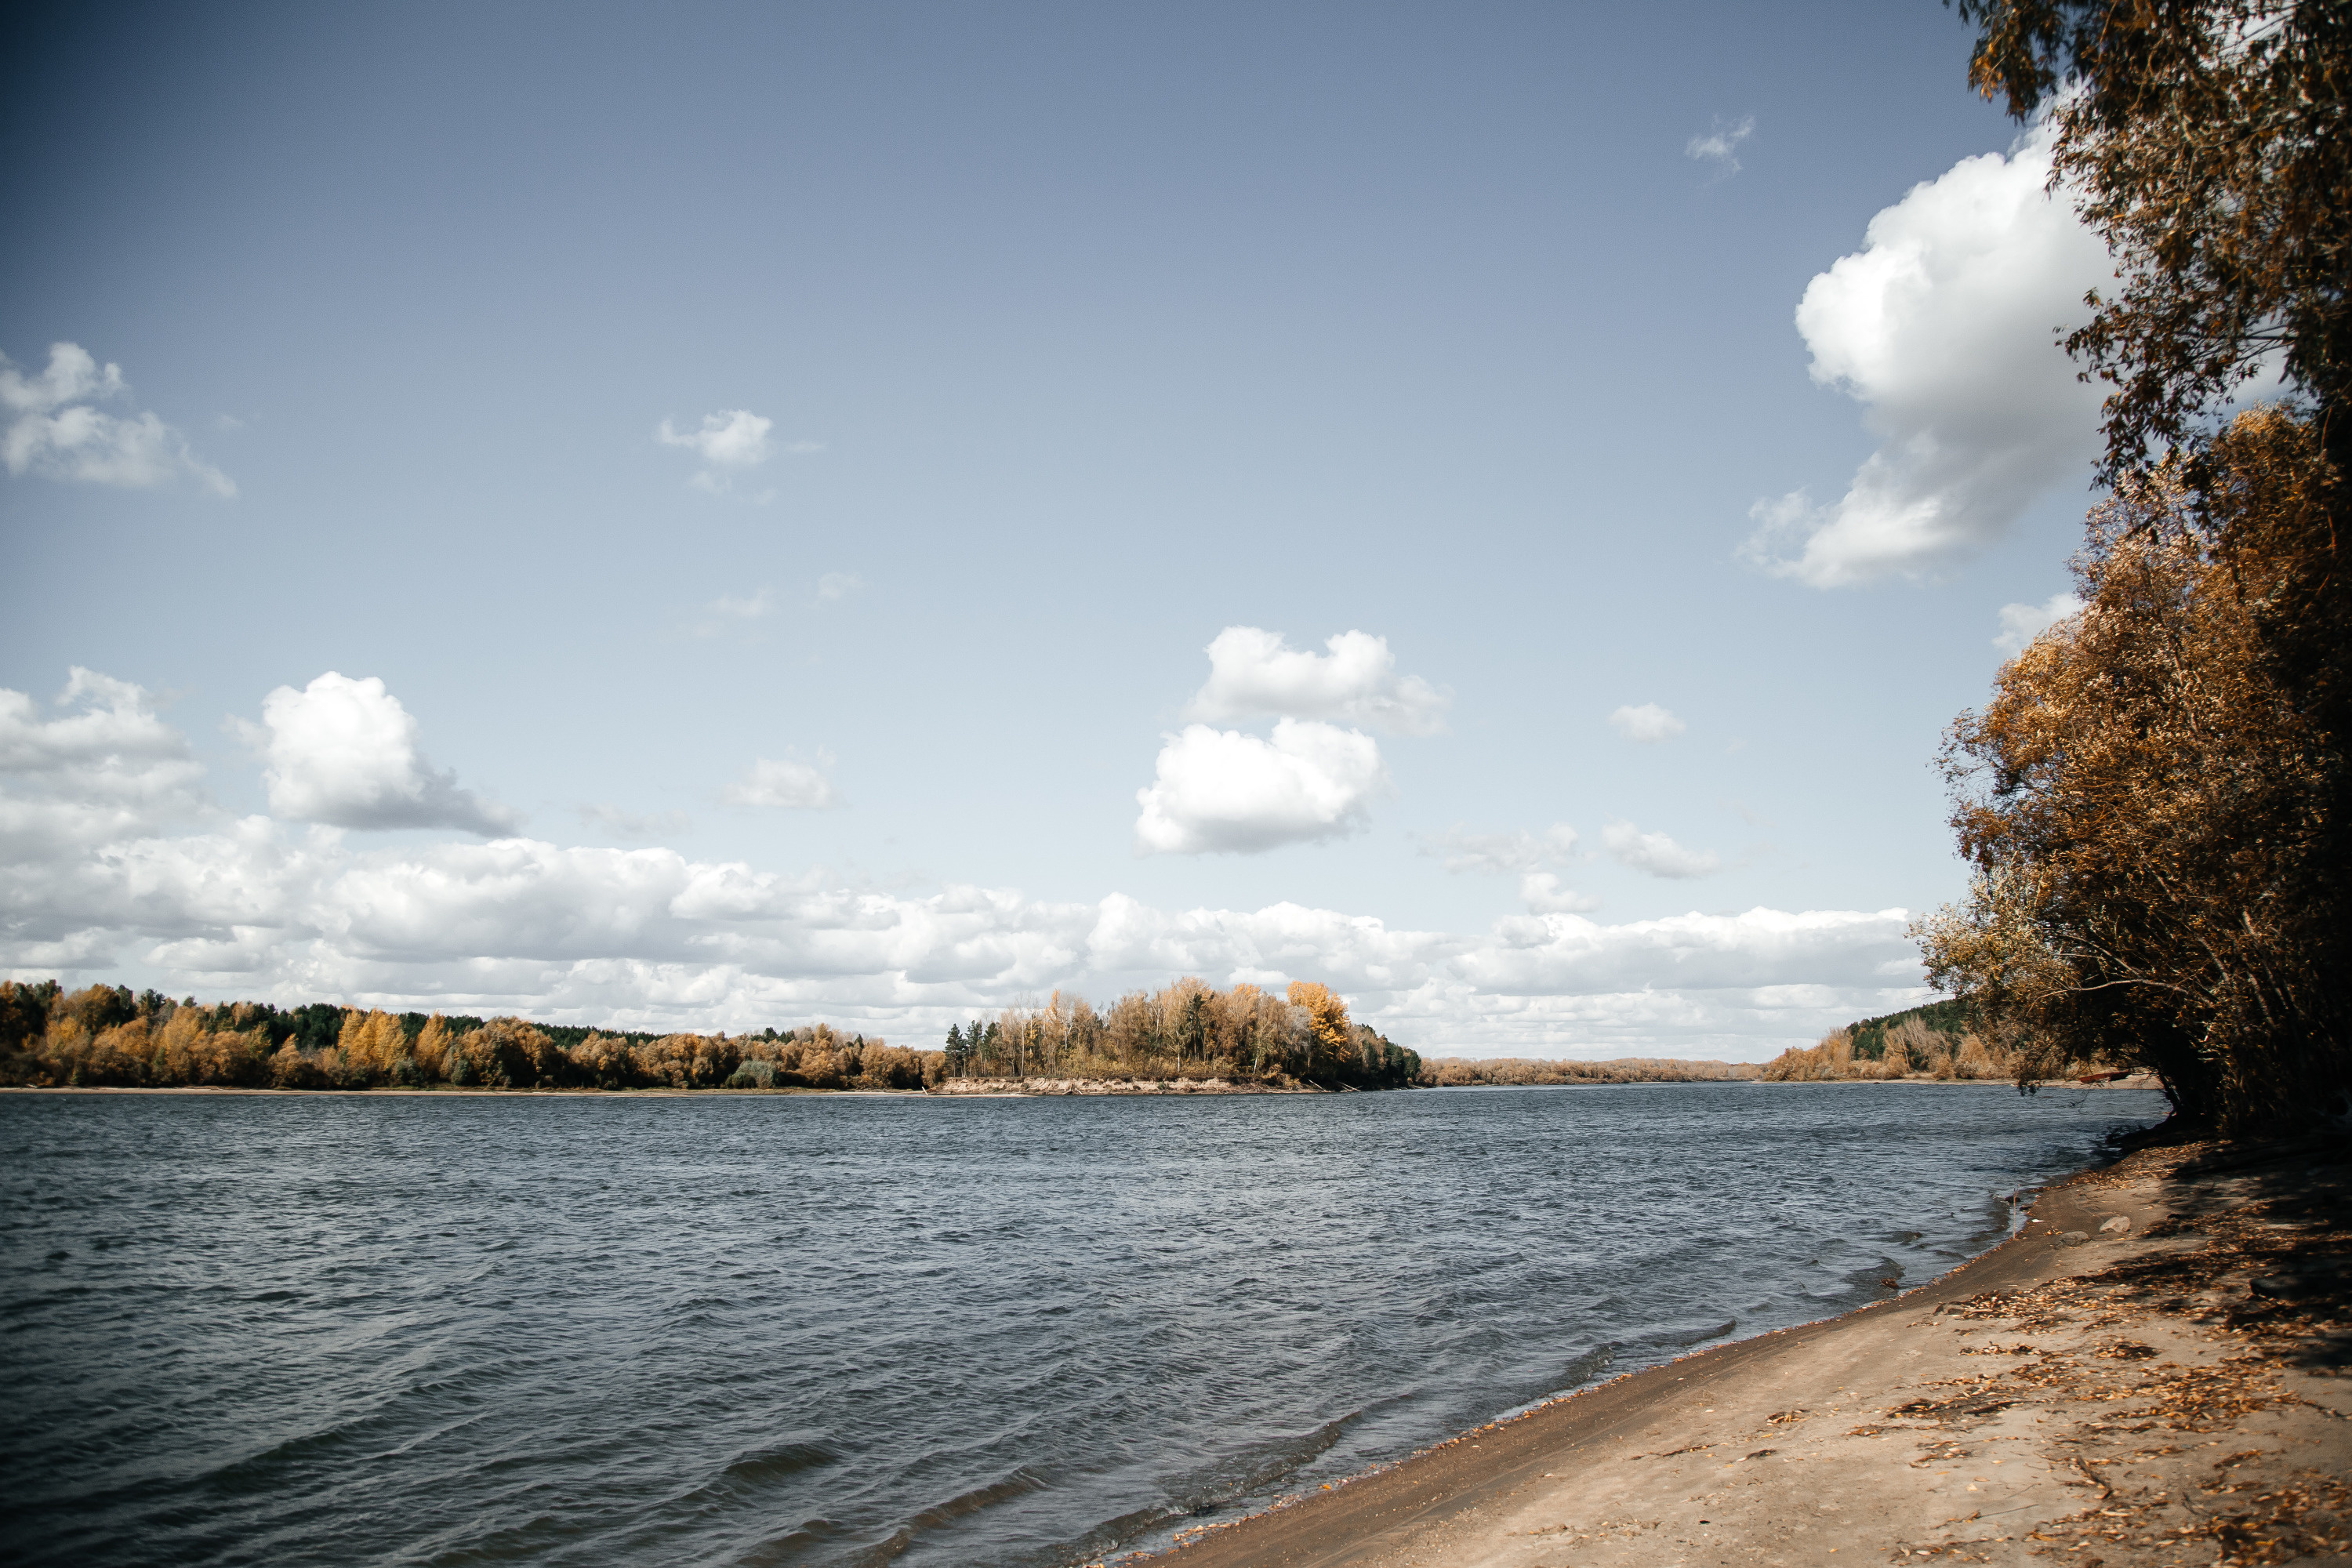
column 800, row 1329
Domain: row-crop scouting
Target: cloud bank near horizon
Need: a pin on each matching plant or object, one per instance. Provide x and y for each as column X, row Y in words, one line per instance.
column 119, row 864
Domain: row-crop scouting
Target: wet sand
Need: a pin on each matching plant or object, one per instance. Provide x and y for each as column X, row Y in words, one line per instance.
column 2154, row 1372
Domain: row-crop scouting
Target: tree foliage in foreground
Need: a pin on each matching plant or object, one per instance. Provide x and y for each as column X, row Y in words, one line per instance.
column 2158, row 798
column 2205, row 138
column 2147, row 809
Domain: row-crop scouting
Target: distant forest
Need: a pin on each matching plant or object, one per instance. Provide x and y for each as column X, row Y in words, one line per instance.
column 108, row 1035
column 1453, row 1072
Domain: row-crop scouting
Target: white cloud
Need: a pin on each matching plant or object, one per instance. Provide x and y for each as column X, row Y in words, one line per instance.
column 108, row 769
column 53, row 429
column 647, row 938
column 344, row 752
column 1220, row 790
column 835, row 586
column 732, row 441
column 1647, row 724
column 1543, row 895
column 733, row 438
column 1942, row 326
column 1502, row 854
column 1255, row 673
column 786, row 782
column 1718, row 146
column 1655, row 853
column 2020, row 623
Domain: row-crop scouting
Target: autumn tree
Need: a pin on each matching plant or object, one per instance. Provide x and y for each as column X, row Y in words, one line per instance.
column 2206, row 141
column 2147, row 807
column 1326, row 1024
column 371, row 1045
column 434, row 1048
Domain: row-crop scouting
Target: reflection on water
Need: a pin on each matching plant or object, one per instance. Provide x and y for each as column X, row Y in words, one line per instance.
column 325, row 1329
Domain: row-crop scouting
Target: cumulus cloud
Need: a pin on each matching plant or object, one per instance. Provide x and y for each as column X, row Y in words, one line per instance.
column 2020, row 623
column 344, row 752
column 55, row 429
column 1720, row 145
column 835, row 586
column 1223, row 791
column 1256, row 674
column 167, row 892
column 1502, row 854
column 1655, row 853
column 731, row 439
column 1942, row 327
column 1647, row 724
column 105, row 768
column 786, row 782
column 1312, row 779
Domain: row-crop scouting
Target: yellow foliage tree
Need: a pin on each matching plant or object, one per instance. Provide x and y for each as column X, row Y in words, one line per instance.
column 1334, row 1037
column 371, row 1043
column 433, row 1048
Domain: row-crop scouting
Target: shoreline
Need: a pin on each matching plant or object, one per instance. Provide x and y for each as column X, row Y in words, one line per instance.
column 1033, row 1089
column 1990, row 1415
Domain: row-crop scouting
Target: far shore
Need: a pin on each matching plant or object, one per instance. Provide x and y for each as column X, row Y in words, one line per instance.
column 2154, row 1366
column 1015, row 1089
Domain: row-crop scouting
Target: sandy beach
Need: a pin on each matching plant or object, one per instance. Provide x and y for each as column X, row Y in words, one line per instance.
column 2152, row 1371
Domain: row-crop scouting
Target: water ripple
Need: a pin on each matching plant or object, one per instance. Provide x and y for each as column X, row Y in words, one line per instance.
column 809, row 1331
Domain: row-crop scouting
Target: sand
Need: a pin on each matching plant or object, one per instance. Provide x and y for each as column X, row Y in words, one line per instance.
column 2155, row 1372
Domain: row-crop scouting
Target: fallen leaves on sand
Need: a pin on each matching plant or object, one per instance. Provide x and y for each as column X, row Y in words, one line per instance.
column 2311, row 1514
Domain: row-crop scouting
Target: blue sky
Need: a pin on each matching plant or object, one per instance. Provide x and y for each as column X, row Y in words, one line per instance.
column 782, row 471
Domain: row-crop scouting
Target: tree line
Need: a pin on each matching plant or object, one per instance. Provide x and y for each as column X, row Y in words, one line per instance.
column 1459, row 1072
column 106, row 1036
column 1188, row 1029
column 2156, row 800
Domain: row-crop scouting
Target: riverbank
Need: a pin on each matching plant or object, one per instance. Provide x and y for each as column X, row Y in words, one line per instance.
column 966, row 1088
column 2152, row 1371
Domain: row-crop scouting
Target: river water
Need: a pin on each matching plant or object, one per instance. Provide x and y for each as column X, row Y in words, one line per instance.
column 293, row 1329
